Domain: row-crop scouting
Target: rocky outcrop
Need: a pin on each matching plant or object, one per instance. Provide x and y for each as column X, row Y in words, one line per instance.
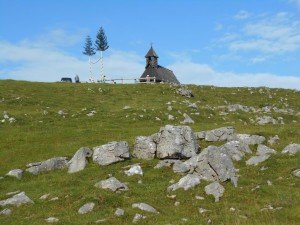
column 144, row 148
column 79, row 162
column 113, row 184
column 111, row 152
column 262, row 154
column 220, row 134
column 236, row 149
column 185, row 92
column 176, row 142
column 250, row 139
column 48, row 165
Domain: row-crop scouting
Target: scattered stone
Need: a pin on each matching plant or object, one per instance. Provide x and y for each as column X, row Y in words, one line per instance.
column 135, row 169
column 296, row 172
column 165, row 163
column 101, row 221
column 126, row 107
column 17, row 173
column 266, row 120
column 53, row 199
column 79, row 162
column 180, row 167
column 176, row 142
column 176, row 203
column 170, row 108
column 273, row 140
column 255, row 188
column 215, row 189
column 48, row 165
column 269, row 183
column 200, row 135
column 236, row 149
column 62, row 113
column 220, row 134
column 185, row 92
column 187, row 119
column 186, row 182
column 202, row 210
column 52, row 220
column 264, row 168
column 170, row 117
column 138, row 217
column 111, row 152
column 232, row 209
column 250, row 139
column 255, row 160
column 6, row 212
column 119, row 212
column 113, row 184
column 263, row 150
column 44, row 197
column 144, row 148
column 291, row 149
column 193, row 106
column 236, row 107
column 144, row 207
column 17, row 200
column 199, row 197
column 88, row 207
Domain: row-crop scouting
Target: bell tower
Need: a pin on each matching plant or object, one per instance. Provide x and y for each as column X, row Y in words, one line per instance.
column 151, row 58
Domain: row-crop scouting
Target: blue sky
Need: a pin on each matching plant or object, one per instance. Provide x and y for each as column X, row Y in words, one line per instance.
column 218, row 42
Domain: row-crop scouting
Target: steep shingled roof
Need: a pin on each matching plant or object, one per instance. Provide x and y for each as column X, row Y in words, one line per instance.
column 150, row 53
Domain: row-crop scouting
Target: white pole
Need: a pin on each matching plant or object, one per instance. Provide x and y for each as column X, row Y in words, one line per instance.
column 101, row 70
column 90, row 66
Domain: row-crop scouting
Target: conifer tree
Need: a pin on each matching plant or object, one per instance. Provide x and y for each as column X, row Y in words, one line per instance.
column 101, row 45
column 89, row 51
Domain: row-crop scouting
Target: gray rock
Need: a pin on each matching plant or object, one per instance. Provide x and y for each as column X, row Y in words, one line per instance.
column 137, row 217
column 51, row 220
column 296, row 172
column 213, row 164
column 220, row 134
column 170, row 117
column 6, row 212
column 236, row 107
column 291, row 149
column 17, row 200
column 266, row 120
column 273, row 140
column 44, row 197
column 180, row 167
column 215, row 189
column 186, row 182
column 111, row 152
column 119, row 212
column 187, row 119
column 200, row 135
column 144, row 207
column 12, row 193
column 17, row 173
column 263, row 150
column 88, row 207
column 112, row 184
column 79, row 162
column 236, row 149
column 255, row 160
column 144, row 148
column 176, row 142
column 185, row 92
column 193, row 105
column 134, row 169
column 250, row 139
column 48, row 165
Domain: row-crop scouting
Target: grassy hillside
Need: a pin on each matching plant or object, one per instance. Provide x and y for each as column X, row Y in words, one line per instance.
column 40, row 133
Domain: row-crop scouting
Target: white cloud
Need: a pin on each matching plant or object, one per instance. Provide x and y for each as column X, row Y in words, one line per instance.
column 297, row 2
column 270, row 34
column 195, row 73
column 242, row 14
column 43, row 63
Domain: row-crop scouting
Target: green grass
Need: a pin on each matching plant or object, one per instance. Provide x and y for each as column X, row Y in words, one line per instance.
column 36, row 137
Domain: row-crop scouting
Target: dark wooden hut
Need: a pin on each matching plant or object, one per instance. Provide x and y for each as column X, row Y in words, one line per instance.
column 160, row 73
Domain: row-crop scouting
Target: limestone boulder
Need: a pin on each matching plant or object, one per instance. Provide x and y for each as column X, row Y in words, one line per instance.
column 111, row 152
column 215, row 189
column 236, row 149
column 291, row 149
column 220, row 134
column 79, row 160
column 176, row 142
column 186, row 182
column 144, row 148
column 250, row 139
column 48, row 165
column 17, row 173
column 112, row 184
column 18, row 199
column 144, row 207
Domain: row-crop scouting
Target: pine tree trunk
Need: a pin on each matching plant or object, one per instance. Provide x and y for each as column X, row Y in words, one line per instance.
column 102, row 70
column 90, row 64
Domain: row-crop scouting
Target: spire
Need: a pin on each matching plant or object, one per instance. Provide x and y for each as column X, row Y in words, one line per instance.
column 151, row 53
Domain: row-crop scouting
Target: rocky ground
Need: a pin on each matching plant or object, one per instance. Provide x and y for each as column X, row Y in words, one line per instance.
column 148, row 154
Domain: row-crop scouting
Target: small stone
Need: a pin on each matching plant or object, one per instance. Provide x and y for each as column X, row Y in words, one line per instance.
column 144, row 207
column 101, row 221
column 44, row 197
column 88, row 207
column 17, row 200
column 187, row 119
column 53, row 199
column 177, row 203
column 232, row 209
column 255, row 188
column 138, row 217
column 51, row 220
column 113, row 184
column 135, row 169
column 17, row 173
column 269, row 183
column 126, row 107
column 296, row 172
column 6, row 212
column 202, row 210
column 199, row 197
column 170, row 117
column 291, row 149
column 215, row 189
column 12, row 193
column 119, row 212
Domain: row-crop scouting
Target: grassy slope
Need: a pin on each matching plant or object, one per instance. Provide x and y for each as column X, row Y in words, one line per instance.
column 36, row 137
